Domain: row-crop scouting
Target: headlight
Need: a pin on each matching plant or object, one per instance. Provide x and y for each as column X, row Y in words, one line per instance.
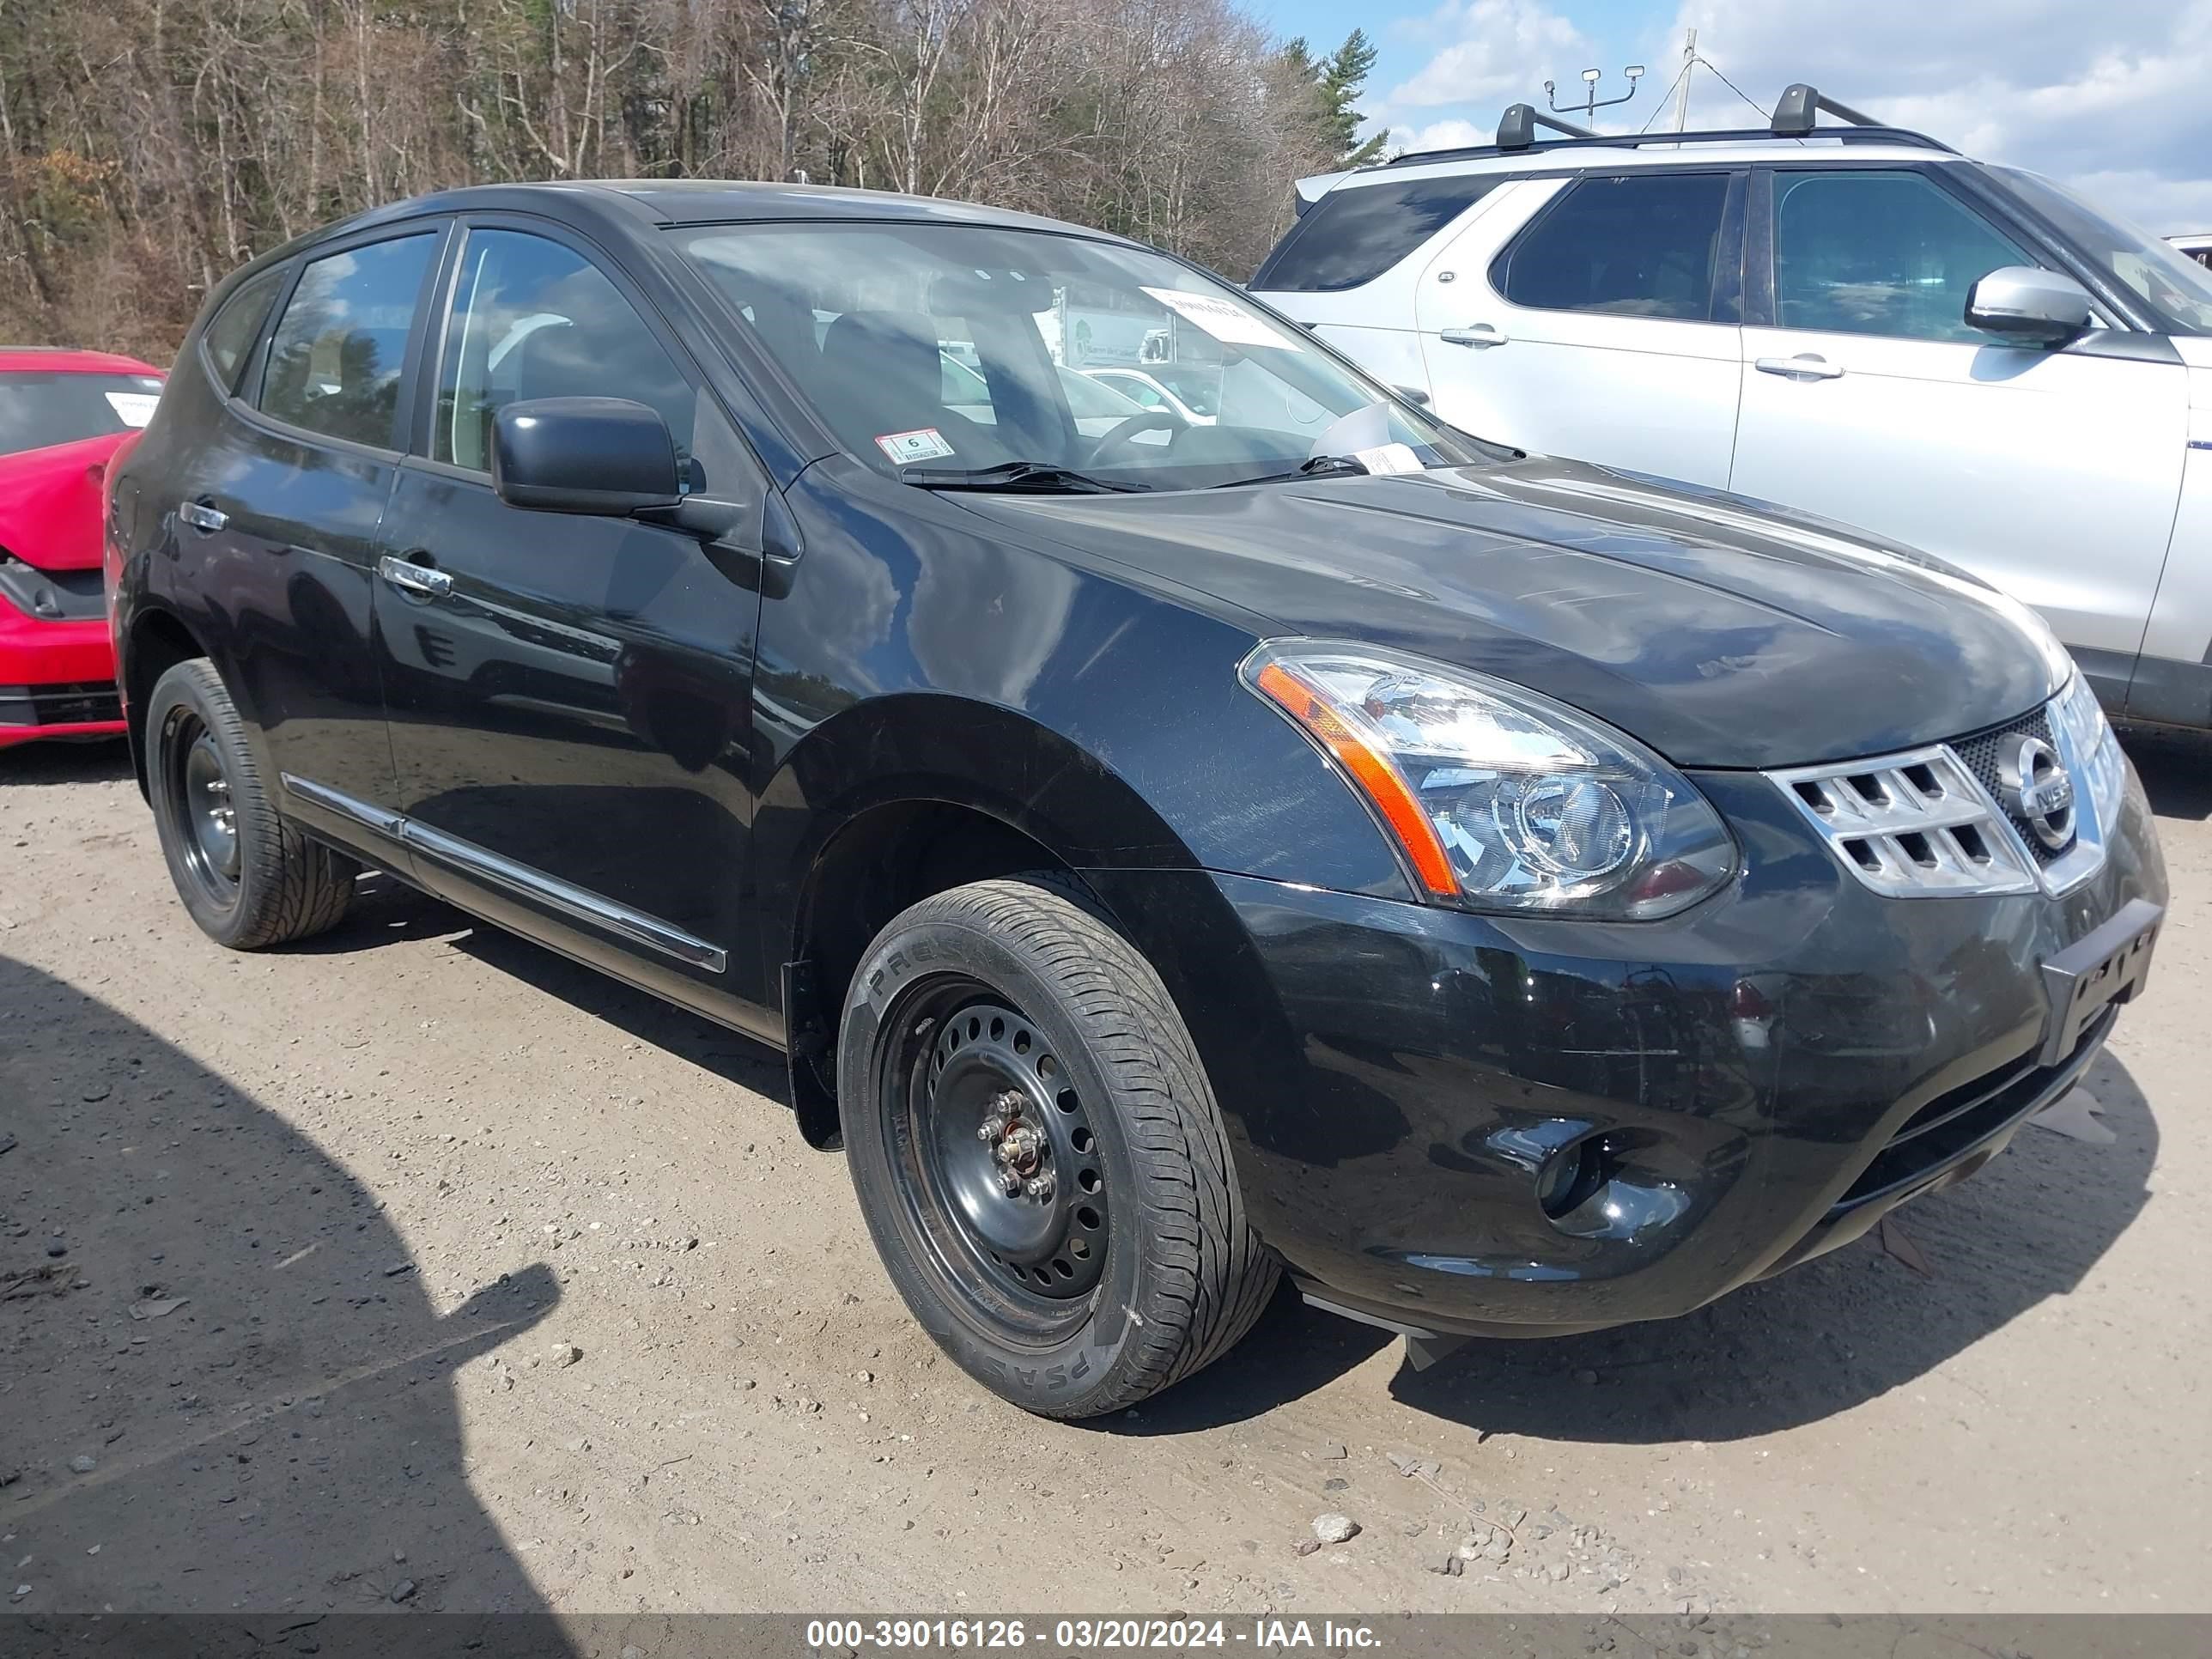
column 1501, row 799
column 2087, row 743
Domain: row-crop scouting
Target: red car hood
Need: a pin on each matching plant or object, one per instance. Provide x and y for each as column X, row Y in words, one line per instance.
column 50, row 501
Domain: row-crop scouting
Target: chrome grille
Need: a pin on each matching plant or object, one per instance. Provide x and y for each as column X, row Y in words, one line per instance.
column 1913, row 825
column 1980, row 752
column 1928, row 823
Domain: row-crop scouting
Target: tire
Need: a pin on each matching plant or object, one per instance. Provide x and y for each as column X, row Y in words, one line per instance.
column 264, row 882
column 1136, row 1266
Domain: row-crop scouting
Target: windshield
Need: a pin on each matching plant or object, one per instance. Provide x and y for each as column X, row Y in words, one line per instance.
column 2166, row 279
column 38, row 407
column 950, row 347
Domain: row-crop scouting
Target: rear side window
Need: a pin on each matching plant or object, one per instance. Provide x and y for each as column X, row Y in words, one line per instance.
column 1644, row 245
column 1357, row 232
column 38, row 409
column 335, row 360
column 234, row 329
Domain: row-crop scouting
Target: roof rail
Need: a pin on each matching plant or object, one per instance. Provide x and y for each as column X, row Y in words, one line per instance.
column 1523, row 142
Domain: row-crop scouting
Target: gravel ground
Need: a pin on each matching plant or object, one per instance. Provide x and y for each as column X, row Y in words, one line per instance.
column 421, row 1268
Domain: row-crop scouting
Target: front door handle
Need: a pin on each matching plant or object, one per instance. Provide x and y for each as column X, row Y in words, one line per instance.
column 201, row 516
column 418, row 579
column 1477, row 334
column 1805, row 366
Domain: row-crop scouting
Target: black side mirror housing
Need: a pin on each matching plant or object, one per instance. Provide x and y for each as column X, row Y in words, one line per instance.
column 2029, row 305
column 610, row 456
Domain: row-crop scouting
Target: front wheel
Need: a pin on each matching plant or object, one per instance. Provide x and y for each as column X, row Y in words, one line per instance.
column 1038, row 1153
column 247, row 877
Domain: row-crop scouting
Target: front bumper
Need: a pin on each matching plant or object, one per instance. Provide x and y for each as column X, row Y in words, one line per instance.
column 56, row 678
column 1771, row 1073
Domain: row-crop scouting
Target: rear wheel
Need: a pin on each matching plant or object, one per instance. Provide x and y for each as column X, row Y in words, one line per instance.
column 1038, row 1153
column 247, row 878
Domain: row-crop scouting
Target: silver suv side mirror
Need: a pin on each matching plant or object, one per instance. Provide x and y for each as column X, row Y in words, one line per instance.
column 2029, row 304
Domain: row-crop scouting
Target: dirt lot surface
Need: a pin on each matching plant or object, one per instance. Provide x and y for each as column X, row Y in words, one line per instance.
column 421, row 1268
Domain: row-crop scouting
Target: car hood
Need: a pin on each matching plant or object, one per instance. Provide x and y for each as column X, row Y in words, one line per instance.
column 50, row 503
column 1723, row 632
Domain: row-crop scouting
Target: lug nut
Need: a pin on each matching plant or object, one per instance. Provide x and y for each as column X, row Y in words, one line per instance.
column 991, row 1128
column 1010, row 1183
column 1039, row 1186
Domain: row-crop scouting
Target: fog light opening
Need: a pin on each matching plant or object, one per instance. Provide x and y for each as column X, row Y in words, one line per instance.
column 1571, row 1175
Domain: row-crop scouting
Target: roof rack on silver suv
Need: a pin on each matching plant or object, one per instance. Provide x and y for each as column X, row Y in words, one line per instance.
column 1795, row 115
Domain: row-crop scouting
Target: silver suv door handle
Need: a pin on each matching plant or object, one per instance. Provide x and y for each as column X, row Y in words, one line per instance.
column 415, row 578
column 201, row 516
column 1480, row 334
column 1805, row 366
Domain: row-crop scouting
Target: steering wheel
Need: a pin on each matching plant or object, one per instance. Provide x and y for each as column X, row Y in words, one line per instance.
column 1104, row 451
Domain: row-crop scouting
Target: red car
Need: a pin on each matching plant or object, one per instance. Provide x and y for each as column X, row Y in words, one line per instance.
column 63, row 416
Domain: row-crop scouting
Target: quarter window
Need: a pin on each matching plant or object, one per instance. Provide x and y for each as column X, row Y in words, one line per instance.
column 1646, row 246
column 1883, row 252
column 335, row 360
column 534, row 318
column 1358, row 231
column 231, row 334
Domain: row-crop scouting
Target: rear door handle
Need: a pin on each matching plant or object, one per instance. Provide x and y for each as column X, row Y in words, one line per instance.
column 201, row 516
column 1479, row 334
column 1805, row 366
column 415, row 578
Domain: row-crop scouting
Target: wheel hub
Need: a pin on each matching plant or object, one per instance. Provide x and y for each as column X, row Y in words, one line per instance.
column 1009, row 1153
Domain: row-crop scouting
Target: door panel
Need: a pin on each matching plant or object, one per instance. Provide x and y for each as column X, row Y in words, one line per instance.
column 2053, row 474
column 282, row 515
column 570, row 694
column 1606, row 349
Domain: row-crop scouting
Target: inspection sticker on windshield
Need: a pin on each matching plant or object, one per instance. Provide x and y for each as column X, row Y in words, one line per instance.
column 133, row 408
column 1229, row 323
column 906, row 448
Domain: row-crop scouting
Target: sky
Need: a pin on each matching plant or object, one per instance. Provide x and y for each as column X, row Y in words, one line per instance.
column 2115, row 99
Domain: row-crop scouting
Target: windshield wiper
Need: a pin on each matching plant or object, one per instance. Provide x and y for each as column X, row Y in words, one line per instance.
column 1014, row 475
column 1321, row 466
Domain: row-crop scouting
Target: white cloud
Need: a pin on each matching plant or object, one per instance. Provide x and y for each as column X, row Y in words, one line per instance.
column 1486, row 51
column 2111, row 99
column 2111, row 102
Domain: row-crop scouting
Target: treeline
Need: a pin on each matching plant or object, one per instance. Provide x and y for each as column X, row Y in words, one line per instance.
column 152, row 145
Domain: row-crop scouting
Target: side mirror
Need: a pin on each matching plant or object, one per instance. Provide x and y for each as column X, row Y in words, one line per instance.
column 2029, row 304
column 604, row 455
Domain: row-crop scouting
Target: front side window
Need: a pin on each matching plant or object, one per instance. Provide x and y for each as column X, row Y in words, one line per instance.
column 534, row 318
column 897, row 332
column 335, row 358
column 1361, row 229
column 1880, row 252
column 2175, row 284
column 1644, row 245
column 39, row 408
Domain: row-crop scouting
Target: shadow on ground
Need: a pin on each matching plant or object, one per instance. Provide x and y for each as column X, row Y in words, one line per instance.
column 2176, row 769
column 221, row 1384
column 102, row 761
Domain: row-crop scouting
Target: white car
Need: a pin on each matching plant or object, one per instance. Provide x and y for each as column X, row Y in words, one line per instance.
column 1193, row 396
column 1856, row 321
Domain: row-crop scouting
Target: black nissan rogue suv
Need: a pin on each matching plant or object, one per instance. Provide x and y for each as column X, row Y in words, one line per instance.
column 1512, row 895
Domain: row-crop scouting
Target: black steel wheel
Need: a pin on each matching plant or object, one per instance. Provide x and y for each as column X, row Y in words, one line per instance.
column 247, row 878
column 1038, row 1154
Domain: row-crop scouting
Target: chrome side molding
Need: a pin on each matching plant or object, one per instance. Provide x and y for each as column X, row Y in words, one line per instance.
column 494, row 870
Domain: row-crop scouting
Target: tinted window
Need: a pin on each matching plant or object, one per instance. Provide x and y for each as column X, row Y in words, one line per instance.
column 1880, row 253
column 232, row 333
column 533, row 318
column 335, row 360
column 1639, row 246
column 1358, row 231
column 2158, row 274
column 38, row 409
